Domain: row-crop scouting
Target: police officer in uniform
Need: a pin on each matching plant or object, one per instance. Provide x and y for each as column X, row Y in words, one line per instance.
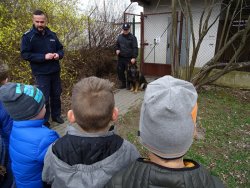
column 41, row 47
column 127, row 51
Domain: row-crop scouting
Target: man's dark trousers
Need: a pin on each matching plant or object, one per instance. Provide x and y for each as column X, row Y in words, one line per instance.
column 50, row 85
column 122, row 66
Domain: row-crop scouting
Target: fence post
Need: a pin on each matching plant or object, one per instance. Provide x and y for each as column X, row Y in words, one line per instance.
column 134, row 24
column 142, row 43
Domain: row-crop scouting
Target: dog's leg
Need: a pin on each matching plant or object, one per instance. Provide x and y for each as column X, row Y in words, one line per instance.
column 143, row 82
column 136, row 87
column 132, row 88
column 142, row 86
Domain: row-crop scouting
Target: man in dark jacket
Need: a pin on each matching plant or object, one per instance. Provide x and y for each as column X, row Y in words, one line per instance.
column 127, row 51
column 167, row 127
column 41, row 47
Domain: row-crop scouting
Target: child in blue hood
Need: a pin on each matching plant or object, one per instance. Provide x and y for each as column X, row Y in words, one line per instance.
column 29, row 138
column 6, row 177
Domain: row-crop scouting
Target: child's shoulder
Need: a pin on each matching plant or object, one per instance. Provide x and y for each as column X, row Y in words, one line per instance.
column 1, row 106
column 47, row 137
column 45, row 132
column 3, row 112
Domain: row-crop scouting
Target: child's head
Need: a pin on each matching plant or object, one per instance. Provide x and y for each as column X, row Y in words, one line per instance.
column 4, row 70
column 93, row 104
column 168, row 117
column 22, row 102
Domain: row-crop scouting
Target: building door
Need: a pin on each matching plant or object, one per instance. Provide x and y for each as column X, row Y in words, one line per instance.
column 155, row 44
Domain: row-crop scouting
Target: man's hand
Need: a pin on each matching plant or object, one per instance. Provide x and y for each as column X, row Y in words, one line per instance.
column 118, row 52
column 49, row 56
column 56, row 56
column 133, row 60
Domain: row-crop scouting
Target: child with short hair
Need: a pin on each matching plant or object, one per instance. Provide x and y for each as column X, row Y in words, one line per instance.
column 167, row 127
column 29, row 139
column 4, row 73
column 90, row 154
column 6, row 177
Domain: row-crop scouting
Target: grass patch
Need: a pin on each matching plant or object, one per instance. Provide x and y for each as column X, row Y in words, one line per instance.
column 224, row 114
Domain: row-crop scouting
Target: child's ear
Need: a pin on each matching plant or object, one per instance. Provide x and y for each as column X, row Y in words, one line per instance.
column 71, row 116
column 194, row 117
column 115, row 114
column 4, row 81
column 194, row 113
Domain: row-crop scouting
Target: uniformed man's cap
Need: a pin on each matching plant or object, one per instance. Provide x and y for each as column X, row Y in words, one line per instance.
column 125, row 26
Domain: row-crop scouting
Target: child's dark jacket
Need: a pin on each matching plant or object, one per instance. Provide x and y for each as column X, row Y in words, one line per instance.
column 145, row 174
column 86, row 160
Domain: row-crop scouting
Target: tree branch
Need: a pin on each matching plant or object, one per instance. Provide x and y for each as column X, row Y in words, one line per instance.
column 221, row 73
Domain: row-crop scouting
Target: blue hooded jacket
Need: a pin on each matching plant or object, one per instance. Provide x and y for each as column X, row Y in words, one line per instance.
column 5, row 129
column 29, row 141
column 5, row 124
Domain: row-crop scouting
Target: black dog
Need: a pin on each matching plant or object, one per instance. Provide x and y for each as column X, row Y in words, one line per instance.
column 135, row 79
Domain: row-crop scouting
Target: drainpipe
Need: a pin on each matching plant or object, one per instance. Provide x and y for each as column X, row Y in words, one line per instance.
column 134, row 24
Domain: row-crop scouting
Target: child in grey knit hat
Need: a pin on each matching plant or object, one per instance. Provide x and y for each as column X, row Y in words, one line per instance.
column 167, row 127
column 29, row 138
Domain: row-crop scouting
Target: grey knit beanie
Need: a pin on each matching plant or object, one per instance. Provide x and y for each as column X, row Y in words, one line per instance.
column 166, row 123
column 22, row 102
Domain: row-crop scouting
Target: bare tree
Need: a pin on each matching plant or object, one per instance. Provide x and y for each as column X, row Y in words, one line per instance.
column 173, row 44
column 231, row 10
column 104, row 22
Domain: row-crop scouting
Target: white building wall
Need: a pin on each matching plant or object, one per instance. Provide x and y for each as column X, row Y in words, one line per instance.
column 207, row 48
column 155, row 36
